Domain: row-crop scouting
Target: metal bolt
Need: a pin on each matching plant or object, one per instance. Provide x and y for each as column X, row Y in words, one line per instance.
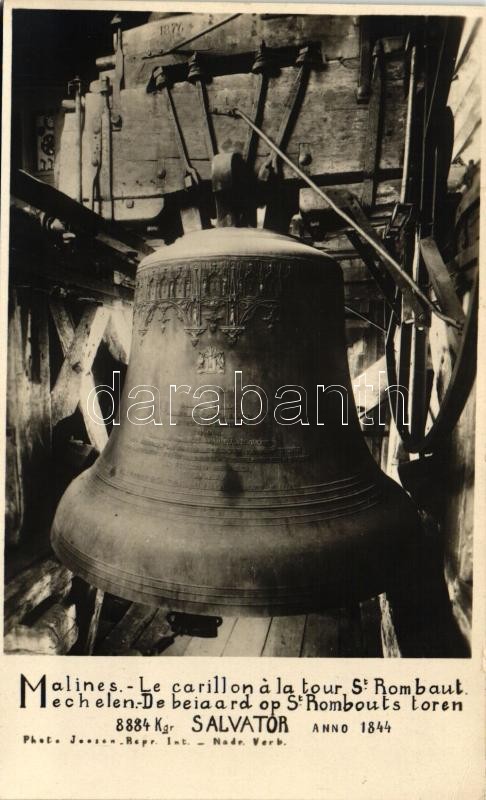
column 305, row 159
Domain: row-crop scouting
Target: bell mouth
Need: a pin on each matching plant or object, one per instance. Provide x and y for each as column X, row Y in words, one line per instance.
column 143, row 552
column 207, row 519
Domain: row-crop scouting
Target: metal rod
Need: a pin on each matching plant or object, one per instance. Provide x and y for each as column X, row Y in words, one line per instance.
column 199, row 34
column 79, row 134
column 408, row 124
column 436, row 80
column 379, row 249
column 365, row 318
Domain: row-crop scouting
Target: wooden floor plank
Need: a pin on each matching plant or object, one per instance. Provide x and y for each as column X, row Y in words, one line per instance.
column 178, row 647
column 349, row 632
column 285, row 636
column 133, row 622
column 248, row 637
column 157, row 629
column 199, row 646
column 321, row 635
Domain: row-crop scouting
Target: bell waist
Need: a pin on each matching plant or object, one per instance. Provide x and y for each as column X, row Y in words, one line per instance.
column 310, row 503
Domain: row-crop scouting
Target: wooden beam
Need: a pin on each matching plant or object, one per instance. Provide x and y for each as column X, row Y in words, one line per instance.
column 118, row 333
column 28, row 414
column 372, row 142
column 445, row 68
column 370, row 387
column 28, row 589
column 97, row 432
column 125, row 633
column 371, row 628
column 14, row 490
column 97, row 605
column 57, row 204
column 152, row 639
column 365, row 52
column 54, row 633
column 78, row 361
column 75, row 380
column 441, row 280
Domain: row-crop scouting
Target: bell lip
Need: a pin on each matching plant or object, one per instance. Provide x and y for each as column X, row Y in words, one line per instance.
column 376, row 566
column 228, row 242
column 309, row 600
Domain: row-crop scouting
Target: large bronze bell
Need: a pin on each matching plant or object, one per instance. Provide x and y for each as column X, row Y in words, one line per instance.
column 194, row 506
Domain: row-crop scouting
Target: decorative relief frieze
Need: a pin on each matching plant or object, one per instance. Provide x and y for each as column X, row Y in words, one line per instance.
column 210, row 295
column 210, row 361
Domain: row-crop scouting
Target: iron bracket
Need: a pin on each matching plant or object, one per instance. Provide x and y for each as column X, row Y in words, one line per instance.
column 194, row 624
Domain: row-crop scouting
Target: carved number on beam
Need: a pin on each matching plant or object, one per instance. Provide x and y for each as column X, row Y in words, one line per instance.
column 75, row 379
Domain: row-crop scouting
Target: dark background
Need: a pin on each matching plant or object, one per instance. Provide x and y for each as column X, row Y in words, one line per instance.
column 52, row 47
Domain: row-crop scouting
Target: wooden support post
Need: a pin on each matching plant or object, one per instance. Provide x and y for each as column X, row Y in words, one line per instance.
column 191, row 219
column 371, row 162
column 371, row 628
column 106, row 171
column 441, row 280
column 131, row 626
column 118, row 334
column 88, row 600
column 95, row 618
column 365, row 50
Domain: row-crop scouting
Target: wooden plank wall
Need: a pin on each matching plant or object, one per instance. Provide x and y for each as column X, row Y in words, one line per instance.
column 455, row 516
column 40, row 396
column 62, row 338
column 465, row 95
column 331, row 125
column 449, row 507
column 28, row 412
